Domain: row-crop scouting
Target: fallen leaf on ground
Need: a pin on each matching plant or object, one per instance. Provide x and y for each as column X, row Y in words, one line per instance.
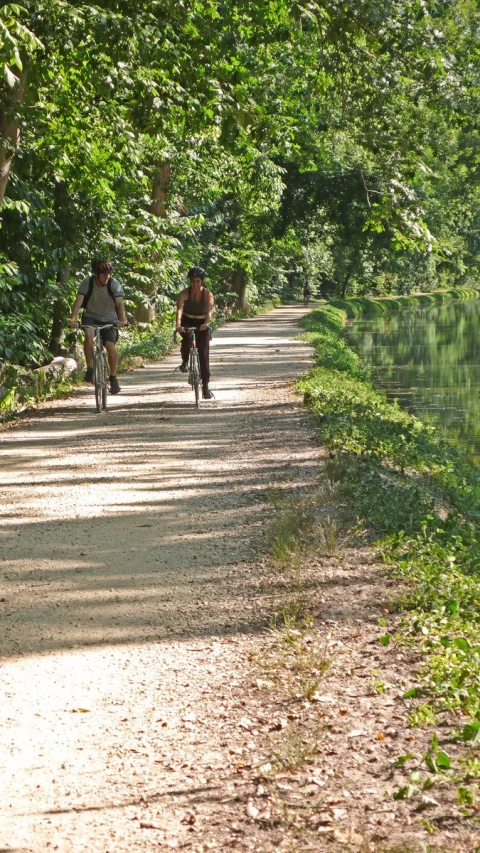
column 348, row 837
column 189, row 718
column 317, row 697
column 278, row 725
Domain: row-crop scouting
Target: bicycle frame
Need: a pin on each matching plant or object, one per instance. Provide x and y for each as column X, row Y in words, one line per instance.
column 193, row 370
column 100, row 372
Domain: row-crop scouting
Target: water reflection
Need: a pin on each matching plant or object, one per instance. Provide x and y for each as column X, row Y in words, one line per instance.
column 429, row 359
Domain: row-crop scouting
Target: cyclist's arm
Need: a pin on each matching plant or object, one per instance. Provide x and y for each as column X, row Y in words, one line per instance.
column 208, row 315
column 76, row 308
column 120, row 309
column 180, row 301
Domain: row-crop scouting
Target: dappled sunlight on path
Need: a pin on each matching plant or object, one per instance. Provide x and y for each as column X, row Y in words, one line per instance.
column 131, row 597
column 109, row 521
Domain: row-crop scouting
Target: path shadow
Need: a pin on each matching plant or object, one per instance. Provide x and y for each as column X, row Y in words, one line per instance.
column 113, row 526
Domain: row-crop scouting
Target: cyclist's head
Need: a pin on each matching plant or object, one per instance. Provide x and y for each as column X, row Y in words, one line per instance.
column 196, row 272
column 99, row 267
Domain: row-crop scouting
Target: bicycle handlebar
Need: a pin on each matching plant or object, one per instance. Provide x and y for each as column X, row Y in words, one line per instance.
column 188, row 330
column 106, row 326
column 191, row 330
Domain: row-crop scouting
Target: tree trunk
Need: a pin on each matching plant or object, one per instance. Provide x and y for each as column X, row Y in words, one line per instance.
column 10, row 133
column 60, row 310
column 345, row 285
column 145, row 313
column 239, row 285
column 161, row 183
column 66, row 237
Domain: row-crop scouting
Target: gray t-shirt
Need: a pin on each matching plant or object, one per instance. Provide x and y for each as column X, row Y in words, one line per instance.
column 100, row 306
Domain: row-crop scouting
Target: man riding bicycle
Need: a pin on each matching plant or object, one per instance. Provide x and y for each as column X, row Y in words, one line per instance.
column 194, row 310
column 101, row 298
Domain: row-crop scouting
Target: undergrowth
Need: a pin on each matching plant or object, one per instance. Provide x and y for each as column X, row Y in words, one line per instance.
column 419, row 499
column 22, row 389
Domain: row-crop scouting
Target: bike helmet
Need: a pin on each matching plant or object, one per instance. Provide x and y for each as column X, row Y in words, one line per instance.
column 196, row 272
column 99, row 266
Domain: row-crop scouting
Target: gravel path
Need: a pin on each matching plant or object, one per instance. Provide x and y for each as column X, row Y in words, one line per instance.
column 130, row 599
column 143, row 706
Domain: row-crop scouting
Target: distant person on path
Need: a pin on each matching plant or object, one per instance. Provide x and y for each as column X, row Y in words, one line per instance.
column 101, row 298
column 194, row 310
column 307, row 292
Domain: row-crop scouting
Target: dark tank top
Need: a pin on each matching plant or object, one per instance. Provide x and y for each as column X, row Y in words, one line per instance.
column 195, row 309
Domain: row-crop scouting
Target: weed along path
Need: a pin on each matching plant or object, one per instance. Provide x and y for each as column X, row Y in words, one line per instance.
column 144, row 706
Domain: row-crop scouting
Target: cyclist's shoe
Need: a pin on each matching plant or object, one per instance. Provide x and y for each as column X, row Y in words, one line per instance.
column 184, row 367
column 207, row 394
column 114, row 386
column 88, row 375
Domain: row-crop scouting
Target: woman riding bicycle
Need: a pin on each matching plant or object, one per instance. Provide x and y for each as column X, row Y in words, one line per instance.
column 104, row 297
column 307, row 292
column 194, row 310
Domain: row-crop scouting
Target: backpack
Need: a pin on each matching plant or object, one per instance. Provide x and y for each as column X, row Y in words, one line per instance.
column 89, row 292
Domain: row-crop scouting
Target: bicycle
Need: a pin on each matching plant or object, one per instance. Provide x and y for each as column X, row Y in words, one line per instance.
column 100, row 372
column 194, row 377
column 306, row 299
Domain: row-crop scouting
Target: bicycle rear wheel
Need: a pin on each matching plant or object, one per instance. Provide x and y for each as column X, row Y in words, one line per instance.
column 104, row 395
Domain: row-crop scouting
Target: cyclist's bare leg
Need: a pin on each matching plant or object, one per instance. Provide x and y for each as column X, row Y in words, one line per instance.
column 203, row 343
column 88, row 347
column 186, row 347
column 112, row 357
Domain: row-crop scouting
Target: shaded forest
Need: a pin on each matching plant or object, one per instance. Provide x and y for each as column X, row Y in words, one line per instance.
column 271, row 142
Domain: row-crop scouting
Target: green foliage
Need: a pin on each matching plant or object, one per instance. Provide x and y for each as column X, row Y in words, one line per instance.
column 15, row 39
column 152, row 345
column 272, row 143
column 21, row 389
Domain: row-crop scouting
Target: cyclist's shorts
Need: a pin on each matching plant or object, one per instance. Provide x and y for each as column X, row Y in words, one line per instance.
column 190, row 323
column 110, row 335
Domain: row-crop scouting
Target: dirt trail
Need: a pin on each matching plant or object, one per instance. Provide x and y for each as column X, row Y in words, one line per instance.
column 128, row 601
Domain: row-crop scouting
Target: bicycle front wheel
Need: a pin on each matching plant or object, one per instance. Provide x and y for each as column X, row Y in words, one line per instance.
column 100, row 379
column 97, row 380
column 195, row 376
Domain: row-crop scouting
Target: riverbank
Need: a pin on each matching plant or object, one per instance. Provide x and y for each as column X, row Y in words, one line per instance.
column 368, row 306
column 418, row 500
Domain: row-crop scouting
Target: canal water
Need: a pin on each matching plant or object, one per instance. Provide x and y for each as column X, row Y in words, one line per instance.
column 429, row 359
